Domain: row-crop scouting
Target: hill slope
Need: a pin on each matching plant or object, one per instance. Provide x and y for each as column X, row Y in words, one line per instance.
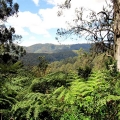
column 51, row 48
column 51, row 52
column 32, row 58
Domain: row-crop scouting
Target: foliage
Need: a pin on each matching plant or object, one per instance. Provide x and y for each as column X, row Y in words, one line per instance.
column 7, row 9
column 84, row 72
column 43, row 64
column 49, row 82
column 64, row 94
column 111, row 65
column 32, row 58
column 13, row 86
column 10, row 69
column 7, row 97
column 9, row 52
column 67, row 96
column 91, row 98
column 83, row 59
column 61, row 95
column 39, row 90
column 9, row 55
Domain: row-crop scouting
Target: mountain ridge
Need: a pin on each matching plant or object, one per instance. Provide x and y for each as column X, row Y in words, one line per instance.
column 51, row 52
column 53, row 48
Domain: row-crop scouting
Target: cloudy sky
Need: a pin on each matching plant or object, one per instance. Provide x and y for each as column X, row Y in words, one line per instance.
column 38, row 22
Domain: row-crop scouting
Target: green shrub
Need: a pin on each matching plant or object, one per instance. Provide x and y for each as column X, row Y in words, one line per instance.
column 84, row 72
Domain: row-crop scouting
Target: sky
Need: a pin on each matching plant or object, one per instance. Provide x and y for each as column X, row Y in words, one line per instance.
column 38, row 22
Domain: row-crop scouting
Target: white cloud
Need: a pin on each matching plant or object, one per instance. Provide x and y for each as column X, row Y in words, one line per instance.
column 30, row 21
column 30, row 41
column 91, row 4
column 55, row 2
column 25, row 19
column 51, row 20
column 36, row 2
column 32, row 38
column 21, row 31
column 46, row 19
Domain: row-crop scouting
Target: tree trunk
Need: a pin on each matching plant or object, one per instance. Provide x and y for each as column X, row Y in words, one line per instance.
column 117, row 32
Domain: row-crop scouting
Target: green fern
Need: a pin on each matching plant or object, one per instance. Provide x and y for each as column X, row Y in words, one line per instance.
column 79, row 99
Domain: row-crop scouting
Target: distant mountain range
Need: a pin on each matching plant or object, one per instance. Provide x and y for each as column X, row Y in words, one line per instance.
column 51, row 48
column 51, row 52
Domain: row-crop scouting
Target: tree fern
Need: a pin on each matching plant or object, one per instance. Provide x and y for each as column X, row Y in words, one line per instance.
column 32, row 103
column 89, row 99
column 92, row 95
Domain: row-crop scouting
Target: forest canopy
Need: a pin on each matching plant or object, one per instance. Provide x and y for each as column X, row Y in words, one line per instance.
column 76, row 88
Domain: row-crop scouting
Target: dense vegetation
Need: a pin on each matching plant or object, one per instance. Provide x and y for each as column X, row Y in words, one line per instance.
column 51, row 52
column 74, row 93
column 32, row 58
column 84, row 87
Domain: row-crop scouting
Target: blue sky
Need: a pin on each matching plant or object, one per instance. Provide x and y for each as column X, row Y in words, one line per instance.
column 38, row 22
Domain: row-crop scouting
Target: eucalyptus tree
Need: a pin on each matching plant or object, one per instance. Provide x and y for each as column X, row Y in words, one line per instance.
column 9, row 51
column 116, row 28
column 102, row 28
column 9, row 55
column 43, row 64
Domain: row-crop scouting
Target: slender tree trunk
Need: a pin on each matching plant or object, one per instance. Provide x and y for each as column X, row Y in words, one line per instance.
column 117, row 31
column 0, row 115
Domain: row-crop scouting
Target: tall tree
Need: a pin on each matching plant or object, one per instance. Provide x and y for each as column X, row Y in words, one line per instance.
column 43, row 64
column 9, row 52
column 116, row 7
column 101, row 28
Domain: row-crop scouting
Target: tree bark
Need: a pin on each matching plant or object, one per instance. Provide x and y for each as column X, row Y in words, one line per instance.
column 116, row 28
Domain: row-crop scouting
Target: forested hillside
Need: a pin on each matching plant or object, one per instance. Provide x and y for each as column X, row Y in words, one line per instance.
column 32, row 58
column 51, row 52
column 51, row 48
